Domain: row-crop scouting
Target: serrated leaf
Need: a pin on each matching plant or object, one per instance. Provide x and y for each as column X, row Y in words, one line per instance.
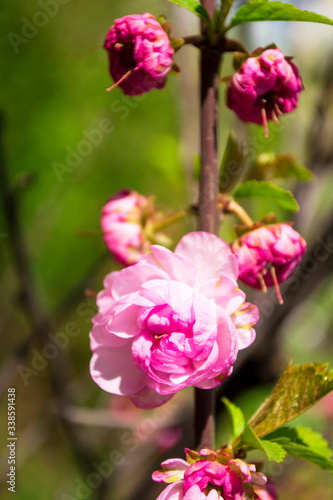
column 272, row 166
column 303, row 436
column 232, row 165
column 300, row 451
column 267, row 191
column 195, row 7
column 299, row 388
column 264, row 10
column 274, row 451
column 237, row 418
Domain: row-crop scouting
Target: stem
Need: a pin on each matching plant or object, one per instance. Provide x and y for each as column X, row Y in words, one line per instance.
column 235, row 208
column 204, row 425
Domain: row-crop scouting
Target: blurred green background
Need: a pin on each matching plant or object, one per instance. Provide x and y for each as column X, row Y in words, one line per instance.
column 54, row 76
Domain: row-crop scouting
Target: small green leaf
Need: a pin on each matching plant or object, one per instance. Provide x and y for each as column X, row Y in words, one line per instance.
column 225, row 9
column 267, row 191
column 273, row 451
column 282, row 166
column 303, row 436
column 237, row 418
column 232, row 165
column 299, row 388
column 264, row 10
column 306, row 453
column 196, row 8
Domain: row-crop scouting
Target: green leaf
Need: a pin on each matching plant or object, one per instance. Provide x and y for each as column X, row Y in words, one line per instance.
column 264, row 10
column 282, row 166
column 300, row 451
column 303, row 436
column 299, row 388
column 274, row 451
column 237, row 418
column 232, row 165
column 304, row 443
column 225, row 9
column 267, row 191
column 195, row 7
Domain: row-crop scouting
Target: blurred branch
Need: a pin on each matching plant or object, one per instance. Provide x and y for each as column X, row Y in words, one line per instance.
column 59, row 373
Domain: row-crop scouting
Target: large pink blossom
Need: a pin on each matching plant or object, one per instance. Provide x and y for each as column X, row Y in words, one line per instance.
column 171, row 321
column 268, row 255
column 213, row 476
column 122, row 224
column 264, row 88
column 140, row 54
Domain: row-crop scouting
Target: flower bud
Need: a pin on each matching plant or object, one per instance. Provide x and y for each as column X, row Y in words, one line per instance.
column 122, row 224
column 212, row 476
column 265, row 87
column 268, row 255
column 140, row 54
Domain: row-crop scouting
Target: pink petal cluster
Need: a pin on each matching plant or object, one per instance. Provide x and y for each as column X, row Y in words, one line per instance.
column 140, row 54
column 122, row 226
column 264, row 88
column 171, row 321
column 219, row 477
column 268, row 252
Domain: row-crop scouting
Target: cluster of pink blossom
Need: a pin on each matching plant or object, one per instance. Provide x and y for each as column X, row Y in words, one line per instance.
column 264, row 88
column 171, row 321
column 122, row 223
column 214, row 476
column 177, row 319
column 268, row 255
column 140, row 53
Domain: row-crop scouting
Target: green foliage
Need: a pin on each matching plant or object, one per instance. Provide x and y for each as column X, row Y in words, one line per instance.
column 196, row 8
column 273, row 451
column 267, row 191
column 304, row 443
column 263, row 10
column 237, row 418
column 299, row 388
column 232, row 165
column 282, row 166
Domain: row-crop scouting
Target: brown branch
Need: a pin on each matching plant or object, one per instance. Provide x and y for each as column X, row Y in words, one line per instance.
column 204, row 426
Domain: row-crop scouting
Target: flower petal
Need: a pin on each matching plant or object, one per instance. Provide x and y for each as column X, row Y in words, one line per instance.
column 114, row 371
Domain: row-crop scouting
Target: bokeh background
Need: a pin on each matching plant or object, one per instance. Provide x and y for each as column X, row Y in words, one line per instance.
column 74, row 441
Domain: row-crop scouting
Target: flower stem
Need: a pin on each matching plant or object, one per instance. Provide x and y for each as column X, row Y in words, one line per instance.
column 204, row 424
column 234, row 208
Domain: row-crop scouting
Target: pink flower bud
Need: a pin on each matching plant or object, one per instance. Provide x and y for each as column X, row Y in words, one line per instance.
column 220, row 477
column 140, row 54
column 264, row 88
column 122, row 226
column 268, row 255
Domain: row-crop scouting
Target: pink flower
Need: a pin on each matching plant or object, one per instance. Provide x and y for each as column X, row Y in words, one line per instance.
column 268, row 255
column 140, row 54
column 216, row 476
column 264, row 88
column 171, row 321
column 122, row 224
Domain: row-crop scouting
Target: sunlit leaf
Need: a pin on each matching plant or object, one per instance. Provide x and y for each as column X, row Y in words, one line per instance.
column 237, row 418
column 195, row 7
column 299, row 388
column 264, row 10
column 267, row 191
column 274, row 452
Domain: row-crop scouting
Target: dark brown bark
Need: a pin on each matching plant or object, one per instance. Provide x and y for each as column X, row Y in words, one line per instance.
column 204, row 427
